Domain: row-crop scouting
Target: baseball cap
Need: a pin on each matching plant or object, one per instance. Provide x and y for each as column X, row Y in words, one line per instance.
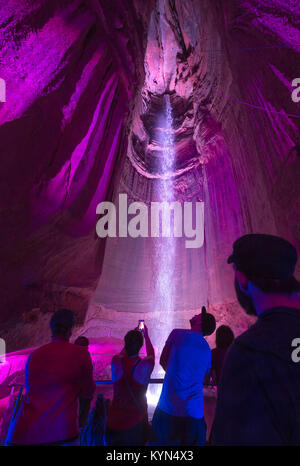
column 266, row 257
column 208, row 322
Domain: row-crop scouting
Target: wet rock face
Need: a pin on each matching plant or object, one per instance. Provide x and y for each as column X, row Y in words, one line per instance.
column 146, row 149
column 229, row 107
column 70, row 70
column 86, row 82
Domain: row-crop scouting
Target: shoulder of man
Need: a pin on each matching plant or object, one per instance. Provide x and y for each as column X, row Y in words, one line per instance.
column 117, row 360
column 170, row 337
column 239, row 359
column 82, row 354
column 178, row 331
column 40, row 351
column 253, row 339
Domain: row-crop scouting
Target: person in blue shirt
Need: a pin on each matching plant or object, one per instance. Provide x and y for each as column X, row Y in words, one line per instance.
column 186, row 358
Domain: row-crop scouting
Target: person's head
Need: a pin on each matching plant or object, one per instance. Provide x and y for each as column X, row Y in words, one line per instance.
column 263, row 264
column 203, row 323
column 62, row 323
column 133, row 342
column 224, row 337
column 82, row 341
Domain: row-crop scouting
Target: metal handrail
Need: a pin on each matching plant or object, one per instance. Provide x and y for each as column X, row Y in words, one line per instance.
column 110, row 382
column 16, row 405
column 17, row 402
column 20, row 394
column 97, row 382
column 151, row 381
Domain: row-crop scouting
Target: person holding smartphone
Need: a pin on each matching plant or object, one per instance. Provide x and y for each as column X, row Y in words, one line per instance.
column 127, row 422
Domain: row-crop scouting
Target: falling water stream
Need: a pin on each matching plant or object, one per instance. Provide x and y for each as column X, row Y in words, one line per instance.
column 165, row 248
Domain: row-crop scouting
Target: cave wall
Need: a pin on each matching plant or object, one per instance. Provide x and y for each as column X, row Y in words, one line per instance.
column 70, row 68
column 80, row 75
column 235, row 122
column 228, row 68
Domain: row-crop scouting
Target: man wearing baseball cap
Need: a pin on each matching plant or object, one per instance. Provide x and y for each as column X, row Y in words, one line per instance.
column 186, row 358
column 259, row 397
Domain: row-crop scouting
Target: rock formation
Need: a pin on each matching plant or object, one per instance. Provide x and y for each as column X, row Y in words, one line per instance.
column 85, row 87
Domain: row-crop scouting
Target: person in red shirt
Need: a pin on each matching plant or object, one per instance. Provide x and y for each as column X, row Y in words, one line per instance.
column 127, row 422
column 56, row 376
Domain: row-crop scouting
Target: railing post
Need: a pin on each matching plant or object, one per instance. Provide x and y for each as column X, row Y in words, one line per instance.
column 15, row 410
column 17, row 403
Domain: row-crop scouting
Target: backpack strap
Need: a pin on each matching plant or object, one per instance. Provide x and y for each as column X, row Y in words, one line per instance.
column 135, row 365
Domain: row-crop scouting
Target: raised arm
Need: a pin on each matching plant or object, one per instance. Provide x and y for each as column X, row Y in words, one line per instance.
column 149, row 347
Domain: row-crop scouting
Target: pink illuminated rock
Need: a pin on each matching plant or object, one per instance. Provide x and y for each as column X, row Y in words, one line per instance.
column 85, row 84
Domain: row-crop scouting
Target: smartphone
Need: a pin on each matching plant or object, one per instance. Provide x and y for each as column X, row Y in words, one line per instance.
column 141, row 325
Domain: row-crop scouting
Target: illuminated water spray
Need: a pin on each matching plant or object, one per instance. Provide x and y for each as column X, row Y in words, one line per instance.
column 165, row 248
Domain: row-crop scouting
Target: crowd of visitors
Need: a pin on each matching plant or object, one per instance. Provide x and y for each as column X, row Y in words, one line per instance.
column 258, row 381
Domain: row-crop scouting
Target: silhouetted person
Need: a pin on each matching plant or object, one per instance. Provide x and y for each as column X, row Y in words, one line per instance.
column 56, row 375
column 84, row 403
column 259, row 397
column 127, row 422
column 94, row 432
column 186, row 358
column 82, row 341
column 224, row 338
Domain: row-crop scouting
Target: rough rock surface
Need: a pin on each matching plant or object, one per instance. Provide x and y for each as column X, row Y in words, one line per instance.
column 228, row 70
column 84, row 81
column 70, row 70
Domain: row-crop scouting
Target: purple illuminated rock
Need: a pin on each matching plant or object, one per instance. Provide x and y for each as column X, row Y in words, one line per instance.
column 85, row 81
